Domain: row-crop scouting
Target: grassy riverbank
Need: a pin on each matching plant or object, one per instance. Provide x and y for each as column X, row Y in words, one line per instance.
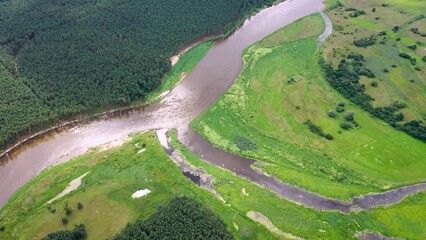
column 405, row 219
column 116, row 173
column 265, row 114
column 183, row 67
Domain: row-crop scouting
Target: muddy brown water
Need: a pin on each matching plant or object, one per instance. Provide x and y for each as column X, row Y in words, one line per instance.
column 213, row 75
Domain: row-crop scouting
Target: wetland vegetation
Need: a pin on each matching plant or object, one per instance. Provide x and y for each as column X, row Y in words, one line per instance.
column 341, row 120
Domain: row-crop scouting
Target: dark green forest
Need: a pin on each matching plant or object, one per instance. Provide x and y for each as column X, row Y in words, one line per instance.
column 63, row 58
column 182, row 218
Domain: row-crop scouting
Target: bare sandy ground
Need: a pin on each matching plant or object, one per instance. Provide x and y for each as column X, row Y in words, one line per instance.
column 262, row 219
column 73, row 185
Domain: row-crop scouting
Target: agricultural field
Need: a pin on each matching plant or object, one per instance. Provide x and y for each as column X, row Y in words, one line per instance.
column 283, row 112
column 141, row 163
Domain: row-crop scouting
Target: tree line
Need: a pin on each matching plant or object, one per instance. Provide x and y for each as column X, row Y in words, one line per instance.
column 61, row 58
column 345, row 79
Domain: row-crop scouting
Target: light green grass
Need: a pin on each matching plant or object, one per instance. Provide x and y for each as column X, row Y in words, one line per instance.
column 106, row 194
column 402, row 83
column 264, row 107
column 116, row 173
column 406, row 219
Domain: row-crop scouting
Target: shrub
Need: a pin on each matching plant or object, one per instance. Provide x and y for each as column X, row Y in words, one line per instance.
column 2, row 228
column 340, row 109
column 346, row 125
column 341, row 104
column 357, row 13
column 424, row 58
column 396, row 29
column 365, row 42
column 405, row 55
column 412, row 47
column 79, row 206
column 349, row 116
column 68, row 210
column 385, row 70
column 373, row 10
column 328, row 136
column 417, row 69
column 244, row 144
column 331, row 114
column 374, row 84
column 64, row 220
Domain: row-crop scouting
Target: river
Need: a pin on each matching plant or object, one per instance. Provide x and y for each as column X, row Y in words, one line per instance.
column 209, row 80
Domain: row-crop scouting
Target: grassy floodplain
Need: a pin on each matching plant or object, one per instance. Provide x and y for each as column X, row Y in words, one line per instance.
column 116, row 173
column 183, row 67
column 263, row 116
column 402, row 81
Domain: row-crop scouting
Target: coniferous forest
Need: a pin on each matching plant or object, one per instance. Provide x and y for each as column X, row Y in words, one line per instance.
column 182, row 218
column 62, row 58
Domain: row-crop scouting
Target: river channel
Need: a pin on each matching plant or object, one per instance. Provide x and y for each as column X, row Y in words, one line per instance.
column 209, row 80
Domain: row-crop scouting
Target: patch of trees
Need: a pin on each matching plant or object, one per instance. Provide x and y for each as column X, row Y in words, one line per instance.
column 356, row 13
column 318, row 130
column 345, row 79
column 59, row 59
column 407, row 56
column 182, row 218
column 416, row 31
column 78, row 233
column 365, row 42
column 412, row 47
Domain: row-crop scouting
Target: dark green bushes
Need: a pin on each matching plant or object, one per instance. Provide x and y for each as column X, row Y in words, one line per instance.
column 244, row 144
column 182, row 218
column 365, row 42
column 318, row 130
column 78, row 233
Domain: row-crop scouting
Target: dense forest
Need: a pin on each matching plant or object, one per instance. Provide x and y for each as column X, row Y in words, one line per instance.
column 182, row 218
column 61, row 58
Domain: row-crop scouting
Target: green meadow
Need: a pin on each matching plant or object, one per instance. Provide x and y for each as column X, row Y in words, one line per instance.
column 264, row 114
column 116, row 173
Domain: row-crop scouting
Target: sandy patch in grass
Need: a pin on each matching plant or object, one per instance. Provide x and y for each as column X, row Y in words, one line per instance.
column 113, row 143
column 141, row 193
column 260, row 218
column 73, row 185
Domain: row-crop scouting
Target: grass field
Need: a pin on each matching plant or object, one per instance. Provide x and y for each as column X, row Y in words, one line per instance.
column 116, row 173
column 183, row 67
column 263, row 116
column 402, row 82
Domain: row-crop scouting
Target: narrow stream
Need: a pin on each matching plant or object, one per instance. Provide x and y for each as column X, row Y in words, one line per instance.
column 209, row 80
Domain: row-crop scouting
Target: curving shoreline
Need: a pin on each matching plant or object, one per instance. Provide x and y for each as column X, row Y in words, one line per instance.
column 185, row 102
